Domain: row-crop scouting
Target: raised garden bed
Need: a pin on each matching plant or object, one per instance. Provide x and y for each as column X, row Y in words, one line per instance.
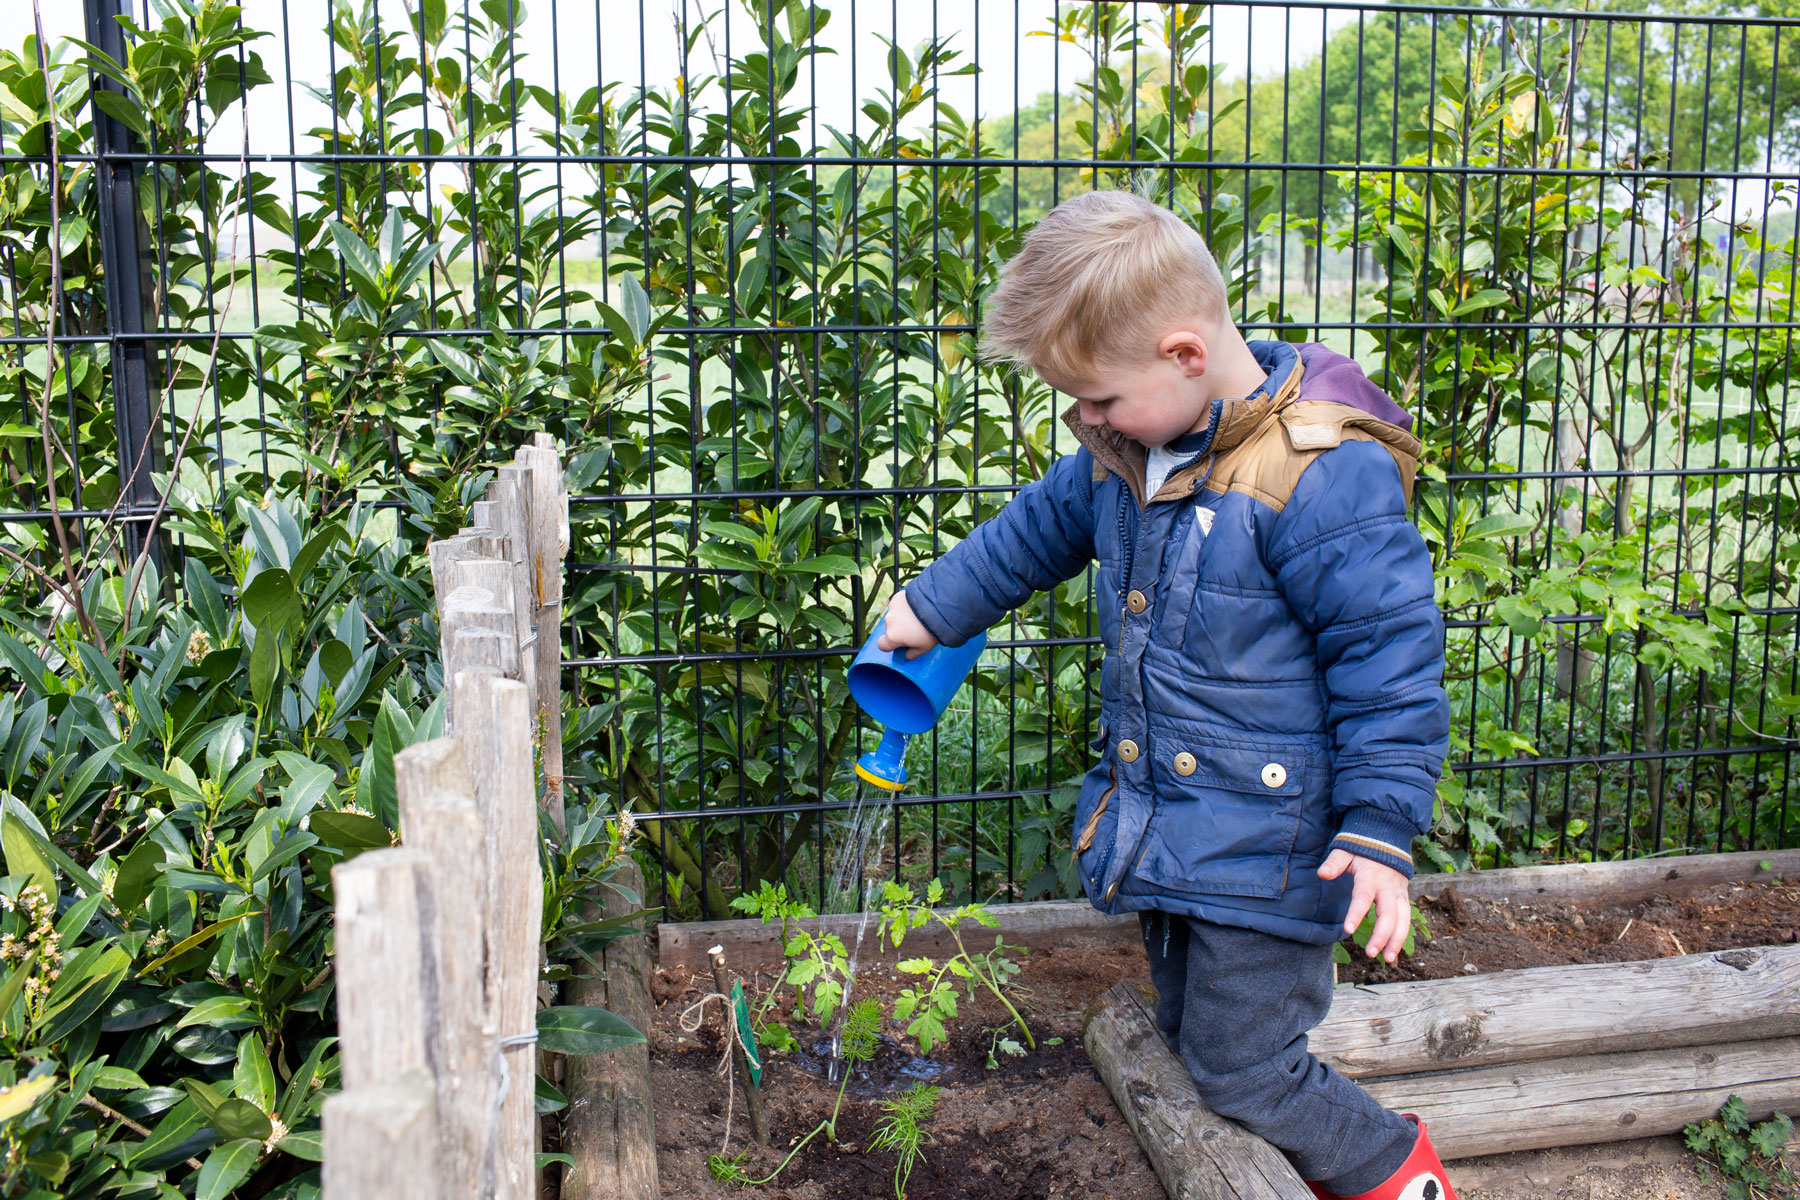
column 1639, row 1039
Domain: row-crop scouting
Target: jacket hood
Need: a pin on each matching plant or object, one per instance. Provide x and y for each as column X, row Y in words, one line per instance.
column 1308, row 371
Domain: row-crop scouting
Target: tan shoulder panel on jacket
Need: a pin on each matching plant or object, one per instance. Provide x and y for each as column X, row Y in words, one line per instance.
column 1267, row 466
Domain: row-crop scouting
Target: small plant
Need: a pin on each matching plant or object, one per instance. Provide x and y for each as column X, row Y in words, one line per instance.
column 1748, row 1156
column 934, row 1000
column 999, row 1043
column 730, row 1171
column 821, row 961
column 902, row 1130
column 857, row 1043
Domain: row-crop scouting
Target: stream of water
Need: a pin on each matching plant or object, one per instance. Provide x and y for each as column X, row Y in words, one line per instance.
column 848, row 887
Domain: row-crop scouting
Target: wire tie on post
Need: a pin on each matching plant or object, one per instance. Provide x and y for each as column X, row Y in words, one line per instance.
column 500, row 1049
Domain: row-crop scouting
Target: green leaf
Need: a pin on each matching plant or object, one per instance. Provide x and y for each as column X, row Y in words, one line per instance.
column 349, row 831
column 25, row 857
column 271, row 603
column 359, row 256
column 121, row 109
column 137, row 874
column 1518, row 616
column 583, row 1029
column 303, row 1143
column 635, row 304
column 313, row 551
column 242, row 1119
column 265, row 668
column 549, row 1098
column 226, row 1167
column 170, row 1132
column 15, row 984
column 225, row 1012
column 456, row 359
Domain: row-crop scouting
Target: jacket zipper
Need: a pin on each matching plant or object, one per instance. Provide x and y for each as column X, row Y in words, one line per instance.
column 1126, row 542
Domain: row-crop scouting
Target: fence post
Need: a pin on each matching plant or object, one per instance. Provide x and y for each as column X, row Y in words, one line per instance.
column 496, row 730
column 547, row 544
column 387, row 967
column 438, row 818
column 381, row 1142
column 125, row 257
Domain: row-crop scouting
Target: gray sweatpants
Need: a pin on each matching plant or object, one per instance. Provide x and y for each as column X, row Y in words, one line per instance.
column 1236, row 1005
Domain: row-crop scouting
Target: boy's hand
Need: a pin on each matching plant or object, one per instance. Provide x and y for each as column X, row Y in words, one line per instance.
column 905, row 629
column 1381, row 885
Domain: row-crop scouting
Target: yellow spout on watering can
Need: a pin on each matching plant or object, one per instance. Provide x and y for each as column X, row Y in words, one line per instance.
column 906, row 696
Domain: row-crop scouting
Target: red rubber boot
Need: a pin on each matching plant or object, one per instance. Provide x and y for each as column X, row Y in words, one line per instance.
column 1420, row 1177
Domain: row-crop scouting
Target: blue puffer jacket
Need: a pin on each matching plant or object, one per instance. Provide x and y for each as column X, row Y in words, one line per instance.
column 1272, row 685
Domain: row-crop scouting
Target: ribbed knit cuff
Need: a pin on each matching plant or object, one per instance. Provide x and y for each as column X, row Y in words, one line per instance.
column 1376, row 834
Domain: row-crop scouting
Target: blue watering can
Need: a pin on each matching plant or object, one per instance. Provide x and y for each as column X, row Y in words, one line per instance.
column 906, row 696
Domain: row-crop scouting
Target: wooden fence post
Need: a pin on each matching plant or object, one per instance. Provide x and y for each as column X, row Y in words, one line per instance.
column 438, row 818
column 496, row 735
column 381, row 1142
column 387, row 967
column 438, row 946
column 548, row 543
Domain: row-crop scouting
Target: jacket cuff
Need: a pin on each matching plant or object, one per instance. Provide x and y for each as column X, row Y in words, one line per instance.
column 1375, row 834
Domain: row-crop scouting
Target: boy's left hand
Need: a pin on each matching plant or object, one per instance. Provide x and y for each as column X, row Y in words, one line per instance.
column 1382, row 886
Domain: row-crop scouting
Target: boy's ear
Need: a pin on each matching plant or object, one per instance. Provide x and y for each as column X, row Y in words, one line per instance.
column 1187, row 348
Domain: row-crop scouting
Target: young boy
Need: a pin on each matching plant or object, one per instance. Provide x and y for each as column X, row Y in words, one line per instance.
column 1272, row 718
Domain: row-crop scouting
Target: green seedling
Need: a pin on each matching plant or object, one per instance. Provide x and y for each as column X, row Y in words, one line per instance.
column 857, row 1043
column 999, row 1044
column 821, row 962
column 931, row 1003
column 902, row 1130
column 733, row 1171
column 1748, row 1156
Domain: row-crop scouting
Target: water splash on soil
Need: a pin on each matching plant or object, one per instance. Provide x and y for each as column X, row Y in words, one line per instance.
column 893, row 1069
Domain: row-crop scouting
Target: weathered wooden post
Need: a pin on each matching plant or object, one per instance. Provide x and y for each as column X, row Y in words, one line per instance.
column 548, row 544
column 381, row 1142
column 495, row 729
column 387, row 964
column 438, row 818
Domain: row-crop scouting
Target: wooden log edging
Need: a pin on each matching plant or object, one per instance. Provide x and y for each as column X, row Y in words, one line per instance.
column 1594, row 1097
column 1562, row 1012
column 751, row 943
column 1197, row 1154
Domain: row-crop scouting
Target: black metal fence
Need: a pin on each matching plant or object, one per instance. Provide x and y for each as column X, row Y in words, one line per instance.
column 740, row 275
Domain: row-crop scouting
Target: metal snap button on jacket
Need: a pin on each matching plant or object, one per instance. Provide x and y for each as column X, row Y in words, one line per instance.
column 1128, row 751
column 1274, row 775
column 1184, row 763
column 1136, row 602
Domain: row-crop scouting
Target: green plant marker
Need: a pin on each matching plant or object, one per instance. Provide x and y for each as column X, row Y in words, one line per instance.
column 751, row 1053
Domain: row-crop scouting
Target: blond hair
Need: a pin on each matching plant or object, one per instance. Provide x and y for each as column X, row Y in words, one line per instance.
column 1096, row 282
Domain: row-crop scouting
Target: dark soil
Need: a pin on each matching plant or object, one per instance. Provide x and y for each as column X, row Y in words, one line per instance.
column 1472, row 936
column 1043, row 1126
column 1033, row 1128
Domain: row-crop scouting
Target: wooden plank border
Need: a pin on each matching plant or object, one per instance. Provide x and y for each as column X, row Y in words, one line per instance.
column 750, row 942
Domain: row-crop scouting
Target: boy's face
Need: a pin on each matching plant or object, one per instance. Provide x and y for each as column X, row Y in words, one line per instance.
column 1154, row 400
